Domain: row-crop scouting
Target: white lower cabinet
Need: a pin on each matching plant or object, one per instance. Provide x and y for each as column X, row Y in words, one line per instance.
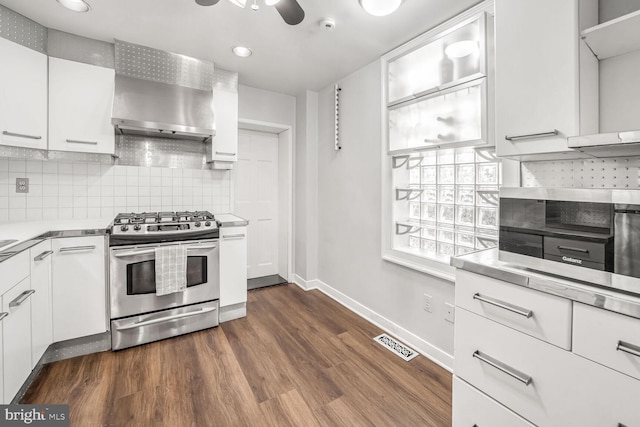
column 540, row 382
column 16, row 337
column 474, row 408
column 79, row 287
column 233, row 265
column 41, row 319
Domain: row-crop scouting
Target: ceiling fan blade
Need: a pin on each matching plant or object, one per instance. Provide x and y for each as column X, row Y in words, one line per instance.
column 291, row 11
column 207, row 2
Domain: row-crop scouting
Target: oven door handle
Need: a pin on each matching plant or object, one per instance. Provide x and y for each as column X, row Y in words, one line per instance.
column 167, row 318
column 152, row 251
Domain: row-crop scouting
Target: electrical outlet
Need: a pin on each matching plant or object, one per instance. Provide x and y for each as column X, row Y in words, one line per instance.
column 449, row 315
column 427, row 303
column 22, row 185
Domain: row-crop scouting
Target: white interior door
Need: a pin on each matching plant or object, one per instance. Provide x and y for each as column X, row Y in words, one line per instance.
column 256, row 195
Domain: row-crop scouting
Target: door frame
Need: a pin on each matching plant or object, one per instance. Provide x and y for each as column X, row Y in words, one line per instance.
column 285, row 216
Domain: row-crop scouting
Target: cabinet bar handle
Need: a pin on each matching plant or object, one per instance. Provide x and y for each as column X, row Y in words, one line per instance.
column 22, row 298
column 569, row 248
column 628, row 348
column 77, row 141
column 234, row 236
column 222, row 153
column 504, row 305
column 523, row 378
column 167, row 318
column 3, row 315
column 78, row 248
column 43, row 255
column 21, row 135
column 532, row 135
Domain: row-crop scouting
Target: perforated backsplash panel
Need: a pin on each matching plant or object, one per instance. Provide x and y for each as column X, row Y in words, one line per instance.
column 160, row 152
column 22, row 30
column 146, row 63
column 617, row 172
column 80, row 49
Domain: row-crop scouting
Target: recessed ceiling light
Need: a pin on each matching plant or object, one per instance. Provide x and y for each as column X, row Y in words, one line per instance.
column 239, row 3
column 461, row 49
column 380, row 7
column 270, row 2
column 76, row 5
column 242, row 52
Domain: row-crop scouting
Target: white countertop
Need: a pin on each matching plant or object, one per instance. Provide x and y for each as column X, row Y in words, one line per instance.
column 25, row 230
column 230, row 220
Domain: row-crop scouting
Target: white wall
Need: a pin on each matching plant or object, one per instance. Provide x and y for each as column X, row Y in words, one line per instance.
column 349, row 218
column 266, row 106
column 620, row 93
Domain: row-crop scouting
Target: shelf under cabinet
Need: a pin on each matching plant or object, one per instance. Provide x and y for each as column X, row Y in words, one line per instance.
column 615, row 37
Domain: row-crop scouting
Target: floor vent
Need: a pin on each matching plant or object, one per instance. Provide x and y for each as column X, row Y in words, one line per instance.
column 396, row 347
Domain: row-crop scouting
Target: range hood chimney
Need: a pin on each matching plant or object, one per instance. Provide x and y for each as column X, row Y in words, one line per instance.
column 162, row 94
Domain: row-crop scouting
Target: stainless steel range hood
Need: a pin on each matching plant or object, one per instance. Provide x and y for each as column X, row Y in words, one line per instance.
column 143, row 107
column 615, row 144
column 162, row 94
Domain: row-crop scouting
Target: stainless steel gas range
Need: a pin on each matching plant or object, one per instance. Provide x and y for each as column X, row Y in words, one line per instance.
column 138, row 315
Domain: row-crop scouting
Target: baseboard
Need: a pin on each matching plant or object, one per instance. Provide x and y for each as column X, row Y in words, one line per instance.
column 307, row 285
column 435, row 354
column 232, row 312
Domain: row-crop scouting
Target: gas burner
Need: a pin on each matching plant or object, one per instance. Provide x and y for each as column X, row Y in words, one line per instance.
column 167, row 217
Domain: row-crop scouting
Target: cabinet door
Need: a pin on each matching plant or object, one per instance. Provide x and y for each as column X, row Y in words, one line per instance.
column 80, row 103
column 16, row 337
column 225, row 142
column 233, row 265
column 537, row 75
column 23, row 96
column 41, row 320
column 79, row 287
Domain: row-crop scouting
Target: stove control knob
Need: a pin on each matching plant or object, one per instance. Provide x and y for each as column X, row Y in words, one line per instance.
column 207, row 224
column 137, row 227
column 124, row 228
column 197, row 224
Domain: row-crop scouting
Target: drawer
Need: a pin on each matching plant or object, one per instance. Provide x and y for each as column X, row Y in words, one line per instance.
column 535, row 313
column 591, row 252
column 14, row 270
column 520, row 243
column 542, row 383
column 474, row 408
column 609, row 338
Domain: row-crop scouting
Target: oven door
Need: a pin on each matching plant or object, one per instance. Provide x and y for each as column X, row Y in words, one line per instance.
column 133, row 278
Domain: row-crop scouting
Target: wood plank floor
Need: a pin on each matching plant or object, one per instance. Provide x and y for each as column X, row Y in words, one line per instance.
column 298, row 359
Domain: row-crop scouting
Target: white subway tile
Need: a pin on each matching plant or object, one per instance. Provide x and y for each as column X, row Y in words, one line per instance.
column 107, row 211
column 132, row 201
column 120, row 181
column 80, row 180
column 79, row 168
column 120, row 200
column 34, row 203
column 34, row 178
column 107, row 191
column 132, row 180
column 50, row 190
column 4, row 190
column 93, row 212
column 65, row 168
column 49, row 213
column 132, row 191
column 94, row 169
column 49, row 202
column 50, row 179
column 144, row 172
column 132, row 170
column 4, row 165
column 144, row 201
column 34, row 190
column 106, row 180
column 155, row 172
column 50, row 167
column 80, row 202
column 65, row 190
column 144, row 181
column 65, row 201
column 167, row 181
column 79, row 213
column 17, row 165
column 106, row 201
column 155, row 200
column 167, row 192
column 65, row 213
column 93, row 202
column 119, row 170
column 18, row 202
column 17, row 214
column 34, row 214
column 34, row 166
column 4, row 202
column 65, row 179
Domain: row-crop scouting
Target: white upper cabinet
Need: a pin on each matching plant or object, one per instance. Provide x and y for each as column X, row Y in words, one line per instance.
column 546, row 77
column 23, row 96
column 80, row 104
column 225, row 142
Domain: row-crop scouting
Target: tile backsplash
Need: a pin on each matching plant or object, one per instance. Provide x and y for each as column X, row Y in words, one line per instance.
column 64, row 190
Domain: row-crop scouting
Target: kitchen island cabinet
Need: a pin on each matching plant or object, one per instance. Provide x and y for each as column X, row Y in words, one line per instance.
column 80, row 104
column 546, row 77
column 23, row 104
column 79, row 287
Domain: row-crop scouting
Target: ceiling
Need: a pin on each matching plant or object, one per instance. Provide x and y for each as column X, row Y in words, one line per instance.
column 286, row 59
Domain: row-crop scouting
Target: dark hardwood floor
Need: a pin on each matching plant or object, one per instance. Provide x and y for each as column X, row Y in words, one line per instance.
column 298, row 359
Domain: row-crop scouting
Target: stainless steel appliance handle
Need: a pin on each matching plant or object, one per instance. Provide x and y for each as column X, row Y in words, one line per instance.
column 78, row 248
column 532, row 135
column 22, row 298
column 504, row 305
column 514, row 373
column 569, row 248
column 153, row 250
column 628, row 348
column 3, row 315
column 222, row 153
column 233, row 236
column 167, row 318
column 42, row 256
column 77, row 141
column 21, row 135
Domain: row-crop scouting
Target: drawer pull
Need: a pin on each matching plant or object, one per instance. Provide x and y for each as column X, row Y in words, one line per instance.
column 532, row 135
column 21, row 135
column 523, row 378
column 77, row 141
column 233, row 236
column 78, row 248
column 42, row 256
column 3, row 315
column 504, row 305
column 628, row 348
column 22, row 298
column 569, row 248
column 222, row 153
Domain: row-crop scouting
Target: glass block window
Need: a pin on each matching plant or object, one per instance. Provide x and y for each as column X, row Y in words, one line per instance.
column 452, row 208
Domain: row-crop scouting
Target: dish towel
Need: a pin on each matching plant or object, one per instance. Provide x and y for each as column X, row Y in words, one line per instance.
column 171, row 269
